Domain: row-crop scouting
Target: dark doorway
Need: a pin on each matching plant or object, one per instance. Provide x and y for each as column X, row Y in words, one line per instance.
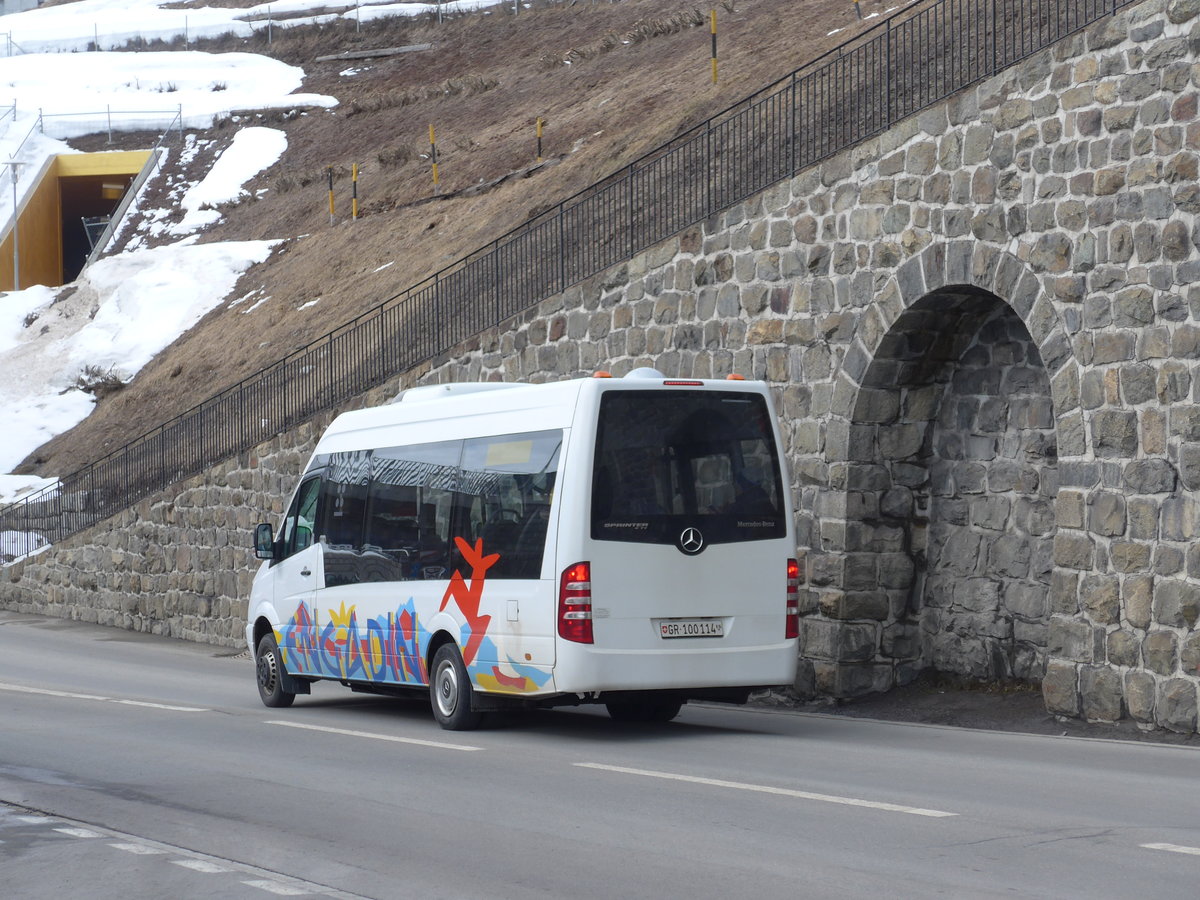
column 85, row 197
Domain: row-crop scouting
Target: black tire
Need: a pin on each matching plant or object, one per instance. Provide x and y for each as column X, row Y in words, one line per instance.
column 450, row 692
column 644, row 710
column 269, row 672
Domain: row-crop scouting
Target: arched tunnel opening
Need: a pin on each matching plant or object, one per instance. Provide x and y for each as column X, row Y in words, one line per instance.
column 952, row 482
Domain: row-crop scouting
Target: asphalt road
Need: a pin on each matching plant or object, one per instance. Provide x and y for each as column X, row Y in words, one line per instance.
column 138, row 767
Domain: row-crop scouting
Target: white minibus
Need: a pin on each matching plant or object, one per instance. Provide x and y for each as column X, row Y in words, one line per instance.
column 625, row 541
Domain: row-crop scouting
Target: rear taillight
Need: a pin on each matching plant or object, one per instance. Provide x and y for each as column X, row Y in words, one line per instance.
column 793, row 600
column 575, row 604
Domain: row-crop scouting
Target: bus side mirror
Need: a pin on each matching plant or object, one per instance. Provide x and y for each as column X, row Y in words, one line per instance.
column 264, row 542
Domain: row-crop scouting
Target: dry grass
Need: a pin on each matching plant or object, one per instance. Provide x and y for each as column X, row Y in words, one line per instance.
column 631, row 93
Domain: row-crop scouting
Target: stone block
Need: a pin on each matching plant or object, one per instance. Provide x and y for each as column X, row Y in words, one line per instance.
column 1070, row 639
column 839, row 641
column 1129, row 556
column 1151, row 476
column 1180, row 519
column 1069, row 507
column 1099, row 597
column 1106, row 514
column 1175, row 705
column 1189, row 654
column 1101, row 693
column 1176, row 603
column 1073, row 551
column 1060, row 689
column 1115, row 433
column 1140, row 694
column 1160, row 652
column 1123, row 648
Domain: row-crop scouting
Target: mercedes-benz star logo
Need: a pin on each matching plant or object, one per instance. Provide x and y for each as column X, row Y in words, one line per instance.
column 691, row 541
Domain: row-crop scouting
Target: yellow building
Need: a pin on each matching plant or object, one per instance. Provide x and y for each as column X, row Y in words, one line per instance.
column 51, row 240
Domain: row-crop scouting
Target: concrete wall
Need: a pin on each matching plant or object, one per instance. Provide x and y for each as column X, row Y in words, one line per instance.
column 982, row 332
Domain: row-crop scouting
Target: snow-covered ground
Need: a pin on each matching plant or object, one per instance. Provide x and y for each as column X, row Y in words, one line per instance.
column 105, row 24
column 126, row 308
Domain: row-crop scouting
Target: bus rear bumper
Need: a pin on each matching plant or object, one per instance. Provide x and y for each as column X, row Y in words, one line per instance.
column 590, row 670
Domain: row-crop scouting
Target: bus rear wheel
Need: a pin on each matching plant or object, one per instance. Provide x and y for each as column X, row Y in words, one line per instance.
column 269, row 671
column 450, row 691
column 643, row 710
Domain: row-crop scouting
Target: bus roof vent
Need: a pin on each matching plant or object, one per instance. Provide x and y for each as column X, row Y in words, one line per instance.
column 646, row 372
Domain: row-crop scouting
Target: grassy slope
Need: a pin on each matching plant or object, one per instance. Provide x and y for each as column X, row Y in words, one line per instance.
column 620, row 97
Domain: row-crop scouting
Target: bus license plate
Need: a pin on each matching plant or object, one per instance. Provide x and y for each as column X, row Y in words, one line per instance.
column 690, row 628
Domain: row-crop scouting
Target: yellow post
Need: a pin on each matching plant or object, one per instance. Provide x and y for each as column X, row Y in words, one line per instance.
column 354, row 192
column 329, row 173
column 858, row 9
column 539, row 139
column 713, row 20
column 433, row 159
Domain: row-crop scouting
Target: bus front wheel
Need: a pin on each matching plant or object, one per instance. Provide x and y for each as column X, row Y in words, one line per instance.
column 269, row 674
column 450, row 691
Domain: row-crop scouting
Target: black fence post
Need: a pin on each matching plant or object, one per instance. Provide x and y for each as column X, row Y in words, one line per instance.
column 562, row 246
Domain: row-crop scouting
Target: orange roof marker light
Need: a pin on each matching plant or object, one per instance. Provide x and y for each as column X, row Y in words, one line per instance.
column 600, row 373
column 735, row 377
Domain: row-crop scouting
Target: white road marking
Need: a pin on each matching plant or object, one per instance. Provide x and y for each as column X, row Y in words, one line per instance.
column 375, row 737
column 275, row 887
column 139, row 849
column 1172, row 848
column 253, row 876
column 767, row 789
column 78, row 832
column 71, row 695
column 199, row 865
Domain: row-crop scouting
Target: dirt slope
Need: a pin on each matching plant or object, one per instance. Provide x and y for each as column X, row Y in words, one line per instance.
column 610, row 80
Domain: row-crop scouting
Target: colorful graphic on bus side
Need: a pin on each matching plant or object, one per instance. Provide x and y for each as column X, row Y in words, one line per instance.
column 392, row 648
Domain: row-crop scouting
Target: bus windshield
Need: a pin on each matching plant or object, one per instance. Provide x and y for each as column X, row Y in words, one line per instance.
column 667, row 460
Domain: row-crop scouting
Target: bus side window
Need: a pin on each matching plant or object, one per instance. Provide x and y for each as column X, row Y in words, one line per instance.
column 344, row 500
column 297, row 531
column 340, row 513
column 409, row 510
column 507, row 483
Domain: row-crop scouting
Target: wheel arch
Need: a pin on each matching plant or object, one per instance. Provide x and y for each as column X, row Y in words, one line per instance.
column 262, row 625
column 439, row 639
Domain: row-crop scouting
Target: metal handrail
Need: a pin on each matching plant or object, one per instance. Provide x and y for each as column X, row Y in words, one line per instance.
column 901, row 66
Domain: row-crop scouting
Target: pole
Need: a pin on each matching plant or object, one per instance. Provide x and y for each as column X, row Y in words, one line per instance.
column 329, row 174
column 713, row 20
column 12, row 165
column 358, row 15
column 439, row 12
column 354, row 192
column 186, row 41
column 539, row 139
column 858, row 9
column 437, row 189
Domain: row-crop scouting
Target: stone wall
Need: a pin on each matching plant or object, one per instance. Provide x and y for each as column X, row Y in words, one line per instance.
column 982, row 331
column 178, row 563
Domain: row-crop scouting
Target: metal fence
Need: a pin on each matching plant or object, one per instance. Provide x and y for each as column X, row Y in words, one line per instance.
column 863, row 87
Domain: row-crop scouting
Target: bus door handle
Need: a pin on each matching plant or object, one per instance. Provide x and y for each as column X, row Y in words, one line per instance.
column 306, row 571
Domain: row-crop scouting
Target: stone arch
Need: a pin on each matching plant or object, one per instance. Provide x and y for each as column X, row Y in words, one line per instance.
column 941, row 555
